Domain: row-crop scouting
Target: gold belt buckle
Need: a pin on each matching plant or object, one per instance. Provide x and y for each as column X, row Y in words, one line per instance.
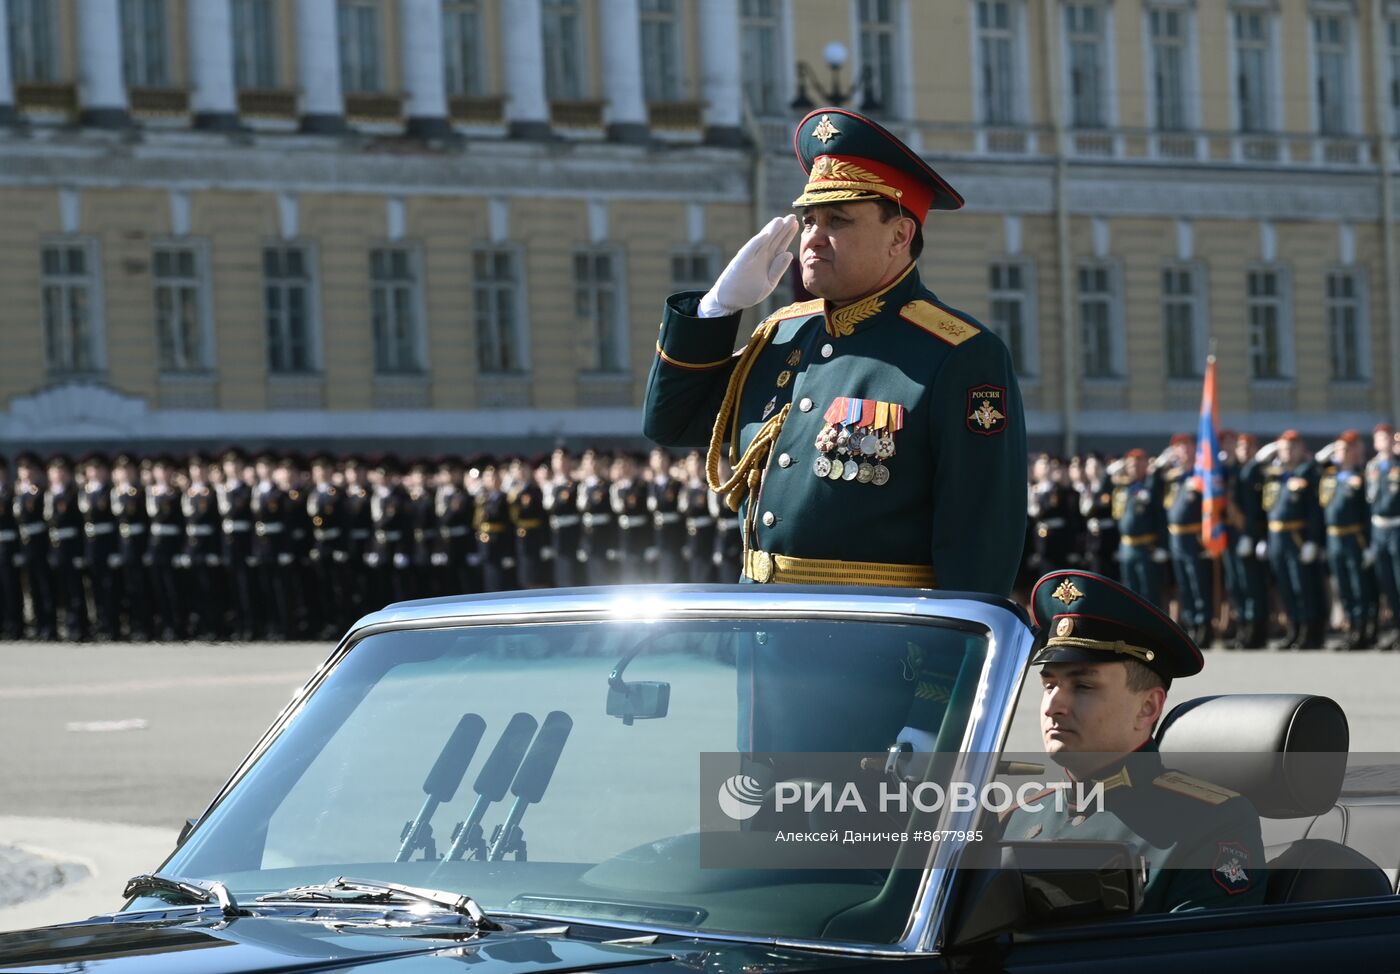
column 762, row 567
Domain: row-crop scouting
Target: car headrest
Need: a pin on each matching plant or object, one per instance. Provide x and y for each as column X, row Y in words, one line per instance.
column 1285, row 752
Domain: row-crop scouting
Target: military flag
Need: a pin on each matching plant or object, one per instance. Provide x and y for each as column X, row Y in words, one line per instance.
column 1208, row 472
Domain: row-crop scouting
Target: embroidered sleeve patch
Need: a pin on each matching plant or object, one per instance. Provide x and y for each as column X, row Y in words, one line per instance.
column 986, row 410
column 1232, row 871
column 937, row 322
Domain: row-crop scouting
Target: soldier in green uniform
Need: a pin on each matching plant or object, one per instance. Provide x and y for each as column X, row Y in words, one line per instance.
column 1142, row 526
column 1342, row 494
column 1295, row 536
column 876, row 433
column 1107, row 661
column 1190, row 561
column 1383, row 494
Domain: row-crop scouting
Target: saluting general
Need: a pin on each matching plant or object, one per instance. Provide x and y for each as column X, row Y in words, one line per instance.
column 876, row 433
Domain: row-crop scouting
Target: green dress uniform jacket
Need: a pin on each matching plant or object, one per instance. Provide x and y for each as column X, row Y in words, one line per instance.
column 1201, row 842
column 952, row 498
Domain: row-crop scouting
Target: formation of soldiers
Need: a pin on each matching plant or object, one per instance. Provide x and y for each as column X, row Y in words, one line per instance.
column 1312, row 540
column 277, row 546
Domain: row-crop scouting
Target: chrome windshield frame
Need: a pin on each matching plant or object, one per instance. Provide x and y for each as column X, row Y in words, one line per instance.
column 1008, row 655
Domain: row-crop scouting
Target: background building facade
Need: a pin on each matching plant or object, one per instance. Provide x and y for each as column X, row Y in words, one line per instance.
column 453, row 221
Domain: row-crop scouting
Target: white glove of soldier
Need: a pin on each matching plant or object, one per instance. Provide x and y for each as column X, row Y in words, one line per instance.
column 910, row 757
column 754, row 272
column 1368, row 557
column 1308, row 553
column 1161, row 555
column 1244, row 547
column 1261, row 550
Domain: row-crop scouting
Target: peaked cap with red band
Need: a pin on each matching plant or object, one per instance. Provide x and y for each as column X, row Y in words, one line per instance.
column 848, row 157
column 1086, row 618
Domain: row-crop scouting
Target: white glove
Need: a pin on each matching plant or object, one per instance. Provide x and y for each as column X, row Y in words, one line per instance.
column 1261, row 550
column 754, row 272
column 918, row 740
column 1308, row 553
column 912, row 754
column 1368, row 557
column 1161, row 555
column 1244, row 547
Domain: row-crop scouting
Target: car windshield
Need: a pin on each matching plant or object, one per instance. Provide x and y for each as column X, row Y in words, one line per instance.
column 555, row 768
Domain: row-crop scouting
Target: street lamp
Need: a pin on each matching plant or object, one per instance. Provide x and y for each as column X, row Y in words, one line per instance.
column 835, row 56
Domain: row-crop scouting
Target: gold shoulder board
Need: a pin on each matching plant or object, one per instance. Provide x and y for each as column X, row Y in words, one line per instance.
column 937, row 322
column 814, row 306
column 1184, row 784
column 1003, row 815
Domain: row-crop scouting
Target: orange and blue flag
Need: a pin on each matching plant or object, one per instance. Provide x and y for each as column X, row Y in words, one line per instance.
column 1208, row 472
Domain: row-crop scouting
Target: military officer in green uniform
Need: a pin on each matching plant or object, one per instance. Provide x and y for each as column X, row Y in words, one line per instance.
column 1107, row 660
column 1142, row 526
column 1295, row 536
column 1190, row 561
column 1342, row 494
column 1383, row 494
column 876, row 433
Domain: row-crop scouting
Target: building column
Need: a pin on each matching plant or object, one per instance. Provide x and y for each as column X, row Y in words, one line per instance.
column 101, row 87
column 9, row 115
column 420, row 34
column 213, row 100
column 622, row 71
column 720, row 85
column 527, row 110
column 318, row 67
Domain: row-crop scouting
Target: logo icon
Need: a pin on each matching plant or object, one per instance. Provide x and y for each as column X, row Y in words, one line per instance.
column 740, row 797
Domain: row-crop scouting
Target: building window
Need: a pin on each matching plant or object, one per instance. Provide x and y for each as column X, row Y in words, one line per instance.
column 661, row 50
column 1169, row 69
column 496, row 292
column 760, row 60
column 1084, row 27
column 693, row 270
column 33, row 40
column 877, row 33
column 1266, row 324
column 1097, row 313
column 462, row 49
column 180, row 305
column 598, row 304
column 69, row 286
column 1008, row 285
column 1180, row 319
column 563, row 50
column 394, row 303
column 1253, row 54
column 145, row 58
column 358, row 22
column 288, row 303
column 1330, row 49
column 254, row 44
column 1345, row 321
column 996, row 46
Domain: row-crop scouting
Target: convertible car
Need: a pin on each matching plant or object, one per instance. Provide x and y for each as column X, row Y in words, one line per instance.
column 540, row 782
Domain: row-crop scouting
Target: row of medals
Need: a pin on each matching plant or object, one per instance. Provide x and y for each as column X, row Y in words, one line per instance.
column 854, row 454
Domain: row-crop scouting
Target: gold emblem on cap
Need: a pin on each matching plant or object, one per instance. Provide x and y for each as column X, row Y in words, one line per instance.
column 1064, row 627
column 1068, row 593
column 825, row 130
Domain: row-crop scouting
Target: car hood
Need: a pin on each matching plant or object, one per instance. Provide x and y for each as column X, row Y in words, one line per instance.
column 205, row 944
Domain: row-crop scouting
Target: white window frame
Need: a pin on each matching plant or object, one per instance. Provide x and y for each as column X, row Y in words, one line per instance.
column 91, row 281
column 204, row 304
column 1361, row 302
column 1273, row 103
column 1118, row 353
column 1200, row 317
column 1029, row 366
column 33, row 33
column 1191, row 65
column 1284, row 302
column 389, row 286
column 1020, row 80
column 143, row 66
column 774, row 63
column 675, row 57
column 464, row 62
column 311, row 266
column 520, row 331
column 254, row 56
column 1109, row 66
column 590, row 327
column 553, row 90
column 898, row 102
column 358, row 73
column 1351, row 67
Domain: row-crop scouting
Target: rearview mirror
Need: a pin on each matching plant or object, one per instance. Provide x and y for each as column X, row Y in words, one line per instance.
column 643, row 700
